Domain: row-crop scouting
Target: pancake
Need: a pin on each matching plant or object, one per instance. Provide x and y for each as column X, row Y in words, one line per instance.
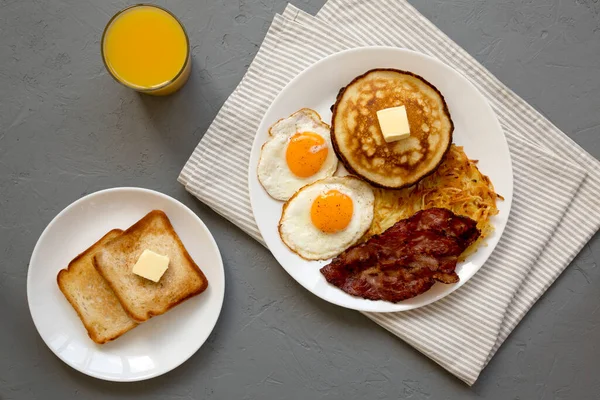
column 359, row 143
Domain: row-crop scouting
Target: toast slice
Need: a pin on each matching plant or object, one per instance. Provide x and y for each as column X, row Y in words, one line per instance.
column 140, row 297
column 94, row 301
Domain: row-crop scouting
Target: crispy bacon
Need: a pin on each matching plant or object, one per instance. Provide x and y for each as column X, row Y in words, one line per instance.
column 405, row 260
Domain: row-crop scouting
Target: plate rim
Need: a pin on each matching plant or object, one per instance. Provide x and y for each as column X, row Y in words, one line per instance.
column 74, row 204
column 251, row 173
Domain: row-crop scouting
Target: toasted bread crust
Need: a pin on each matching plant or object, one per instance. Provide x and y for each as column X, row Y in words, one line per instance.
column 346, row 162
column 63, row 277
column 141, row 226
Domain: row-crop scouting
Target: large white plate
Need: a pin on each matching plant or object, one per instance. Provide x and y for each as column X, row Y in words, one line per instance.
column 152, row 348
column 476, row 128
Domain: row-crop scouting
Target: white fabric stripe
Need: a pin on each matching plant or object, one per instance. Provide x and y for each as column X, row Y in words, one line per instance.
column 219, row 160
column 477, row 314
column 576, row 225
column 238, row 217
column 513, row 257
column 453, row 311
column 504, row 276
column 560, row 245
column 267, row 91
column 420, row 322
column 441, row 351
column 482, row 326
column 298, row 52
column 320, row 42
column 232, row 151
column 449, row 362
column 562, row 174
column 229, row 122
column 485, row 309
column 477, row 285
column 241, row 109
column 241, row 207
column 236, row 187
column 242, row 217
column 494, row 304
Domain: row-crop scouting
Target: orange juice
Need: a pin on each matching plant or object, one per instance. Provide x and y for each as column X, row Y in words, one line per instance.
column 146, row 48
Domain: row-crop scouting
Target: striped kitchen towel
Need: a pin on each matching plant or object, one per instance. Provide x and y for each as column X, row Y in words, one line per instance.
column 556, row 209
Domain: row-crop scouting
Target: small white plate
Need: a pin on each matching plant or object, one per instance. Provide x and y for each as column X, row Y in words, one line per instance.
column 476, row 128
column 152, row 348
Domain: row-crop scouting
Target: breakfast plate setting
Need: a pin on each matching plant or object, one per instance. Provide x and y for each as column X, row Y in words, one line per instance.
column 390, row 173
column 433, row 95
column 384, row 169
column 124, row 337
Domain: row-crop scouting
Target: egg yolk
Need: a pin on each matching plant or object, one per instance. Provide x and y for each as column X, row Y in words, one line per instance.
column 331, row 212
column 306, row 153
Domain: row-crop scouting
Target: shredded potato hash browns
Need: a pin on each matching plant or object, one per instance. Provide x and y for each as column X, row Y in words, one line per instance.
column 456, row 185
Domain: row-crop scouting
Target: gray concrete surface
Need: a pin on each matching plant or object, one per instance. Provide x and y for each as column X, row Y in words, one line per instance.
column 66, row 129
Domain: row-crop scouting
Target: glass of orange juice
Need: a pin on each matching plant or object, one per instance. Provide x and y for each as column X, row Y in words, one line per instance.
column 146, row 48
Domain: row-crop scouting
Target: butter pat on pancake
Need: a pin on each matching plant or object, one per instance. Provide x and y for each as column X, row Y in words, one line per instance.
column 393, row 123
column 360, row 144
column 326, row 217
column 298, row 152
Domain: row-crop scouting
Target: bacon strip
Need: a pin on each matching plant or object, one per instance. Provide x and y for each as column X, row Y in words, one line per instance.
column 405, row 260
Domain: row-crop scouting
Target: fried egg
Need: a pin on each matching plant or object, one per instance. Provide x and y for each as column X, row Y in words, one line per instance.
column 297, row 153
column 326, row 217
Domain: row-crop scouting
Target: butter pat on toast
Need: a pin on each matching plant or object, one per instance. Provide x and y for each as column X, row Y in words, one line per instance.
column 142, row 298
column 92, row 298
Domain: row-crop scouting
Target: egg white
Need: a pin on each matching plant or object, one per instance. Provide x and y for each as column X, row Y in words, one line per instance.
column 303, row 238
column 273, row 172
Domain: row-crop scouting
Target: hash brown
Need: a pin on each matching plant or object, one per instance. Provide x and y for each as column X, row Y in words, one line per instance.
column 457, row 185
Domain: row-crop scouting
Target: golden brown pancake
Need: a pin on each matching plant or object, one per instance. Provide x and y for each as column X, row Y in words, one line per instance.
column 357, row 137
